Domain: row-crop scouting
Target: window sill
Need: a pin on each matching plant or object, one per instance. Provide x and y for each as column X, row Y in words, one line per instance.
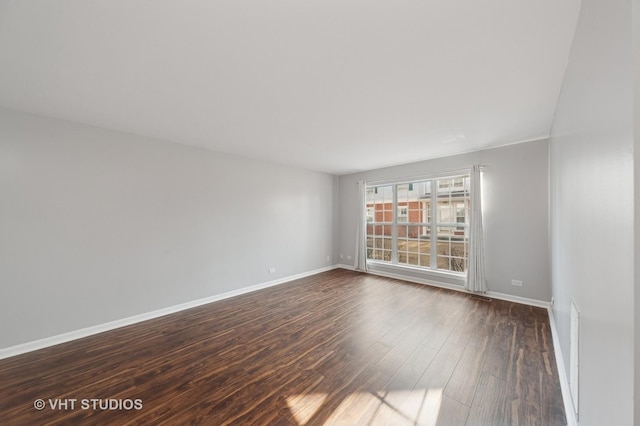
column 450, row 278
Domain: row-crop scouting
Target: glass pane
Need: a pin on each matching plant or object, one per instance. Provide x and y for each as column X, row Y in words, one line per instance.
column 370, row 240
column 403, row 194
column 404, row 244
column 453, row 200
column 415, row 213
column 425, row 188
column 403, row 214
column 445, row 212
column 452, row 248
column 387, row 243
column 379, row 214
column 379, row 201
column 414, row 231
column 371, row 192
column 377, row 242
column 462, row 212
column 386, row 255
column 424, row 247
column 444, row 184
column 413, row 259
column 371, row 213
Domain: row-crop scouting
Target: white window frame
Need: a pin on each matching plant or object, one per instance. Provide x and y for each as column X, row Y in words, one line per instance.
column 433, row 226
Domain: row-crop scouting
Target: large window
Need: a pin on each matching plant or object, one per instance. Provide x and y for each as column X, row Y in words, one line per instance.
column 421, row 224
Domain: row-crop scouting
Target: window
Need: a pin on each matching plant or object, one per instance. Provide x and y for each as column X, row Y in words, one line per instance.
column 401, row 229
column 402, row 213
column 380, row 230
column 371, row 214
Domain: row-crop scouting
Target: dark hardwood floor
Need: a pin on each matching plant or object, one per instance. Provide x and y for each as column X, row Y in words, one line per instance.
column 336, row 348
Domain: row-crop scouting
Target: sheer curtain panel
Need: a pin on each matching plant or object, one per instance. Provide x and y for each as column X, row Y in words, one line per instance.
column 360, row 262
column 476, row 280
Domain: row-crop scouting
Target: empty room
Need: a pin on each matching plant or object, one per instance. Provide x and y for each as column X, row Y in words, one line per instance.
column 305, row 213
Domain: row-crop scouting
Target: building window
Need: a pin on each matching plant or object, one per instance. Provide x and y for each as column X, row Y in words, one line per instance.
column 429, row 228
column 402, row 214
column 371, row 214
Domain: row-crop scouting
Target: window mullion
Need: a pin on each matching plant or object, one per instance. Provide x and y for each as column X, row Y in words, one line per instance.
column 394, row 227
column 433, row 228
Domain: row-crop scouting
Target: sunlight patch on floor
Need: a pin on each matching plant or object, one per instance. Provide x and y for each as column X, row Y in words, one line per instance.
column 417, row 406
column 431, row 407
column 303, row 407
column 353, row 408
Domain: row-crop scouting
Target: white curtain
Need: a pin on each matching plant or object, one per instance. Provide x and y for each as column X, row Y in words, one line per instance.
column 476, row 280
column 360, row 262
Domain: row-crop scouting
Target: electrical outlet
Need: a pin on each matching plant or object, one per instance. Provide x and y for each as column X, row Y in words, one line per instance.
column 328, row 258
column 517, row 283
column 341, row 256
column 348, row 257
column 272, row 270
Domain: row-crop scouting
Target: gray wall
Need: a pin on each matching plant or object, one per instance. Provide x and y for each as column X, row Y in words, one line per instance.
column 97, row 226
column 592, row 204
column 515, row 209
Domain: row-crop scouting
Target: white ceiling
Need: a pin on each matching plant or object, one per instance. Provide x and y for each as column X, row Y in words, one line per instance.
column 330, row 85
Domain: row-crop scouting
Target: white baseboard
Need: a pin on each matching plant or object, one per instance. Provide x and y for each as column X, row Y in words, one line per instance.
column 100, row 328
column 433, row 283
column 518, row 299
column 562, row 373
column 349, row 267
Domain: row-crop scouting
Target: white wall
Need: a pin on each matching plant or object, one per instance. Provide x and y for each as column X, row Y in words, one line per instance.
column 97, row 226
column 515, row 209
column 592, row 210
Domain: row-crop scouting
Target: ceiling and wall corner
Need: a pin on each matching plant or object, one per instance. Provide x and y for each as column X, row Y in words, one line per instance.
column 331, row 86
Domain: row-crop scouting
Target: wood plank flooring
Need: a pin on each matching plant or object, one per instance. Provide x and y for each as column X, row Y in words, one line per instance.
column 339, row 347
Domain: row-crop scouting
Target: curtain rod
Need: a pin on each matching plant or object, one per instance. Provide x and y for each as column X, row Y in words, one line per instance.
column 405, row 179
